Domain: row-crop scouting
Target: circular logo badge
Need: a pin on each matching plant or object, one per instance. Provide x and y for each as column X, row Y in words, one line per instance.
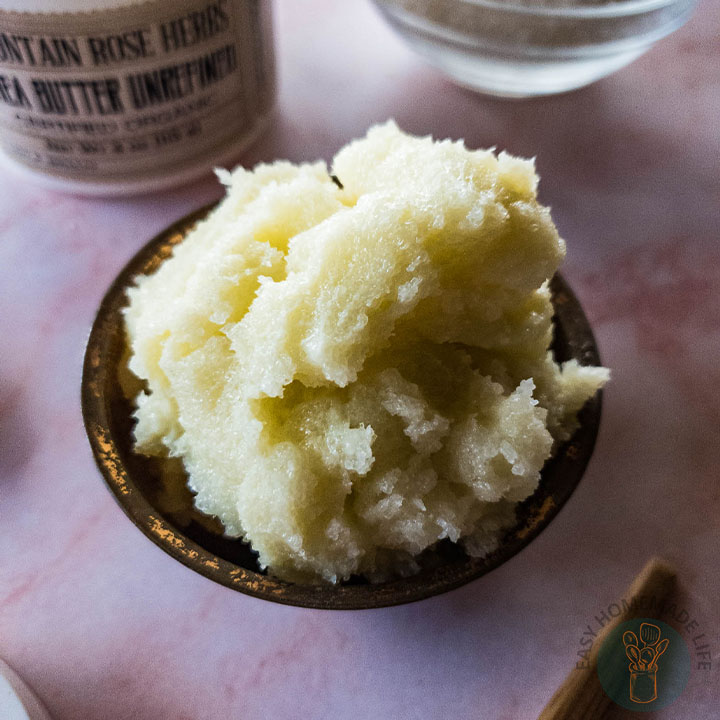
column 643, row 664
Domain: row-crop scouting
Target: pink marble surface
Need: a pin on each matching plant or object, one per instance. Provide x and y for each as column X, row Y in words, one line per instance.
column 105, row 626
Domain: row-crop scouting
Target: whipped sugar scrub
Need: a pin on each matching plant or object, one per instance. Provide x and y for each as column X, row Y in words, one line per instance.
column 352, row 374
column 113, row 97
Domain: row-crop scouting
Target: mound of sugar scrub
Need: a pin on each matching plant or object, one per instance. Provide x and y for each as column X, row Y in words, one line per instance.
column 351, row 374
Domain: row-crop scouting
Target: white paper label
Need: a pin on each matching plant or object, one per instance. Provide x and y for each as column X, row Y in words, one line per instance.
column 134, row 92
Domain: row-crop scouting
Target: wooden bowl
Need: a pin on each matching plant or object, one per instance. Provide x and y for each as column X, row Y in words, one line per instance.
column 153, row 494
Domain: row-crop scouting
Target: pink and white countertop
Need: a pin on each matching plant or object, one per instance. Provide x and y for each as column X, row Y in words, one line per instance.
column 105, row 626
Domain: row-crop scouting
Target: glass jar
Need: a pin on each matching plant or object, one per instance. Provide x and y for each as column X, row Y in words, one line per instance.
column 526, row 48
column 115, row 97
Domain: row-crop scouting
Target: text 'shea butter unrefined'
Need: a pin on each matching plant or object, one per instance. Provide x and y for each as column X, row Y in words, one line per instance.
column 113, row 96
column 352, row 374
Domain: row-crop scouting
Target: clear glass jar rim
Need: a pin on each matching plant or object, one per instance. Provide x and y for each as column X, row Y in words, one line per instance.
column 611, row 9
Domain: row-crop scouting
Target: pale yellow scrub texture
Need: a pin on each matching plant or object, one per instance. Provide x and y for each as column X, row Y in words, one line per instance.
column 351, row 375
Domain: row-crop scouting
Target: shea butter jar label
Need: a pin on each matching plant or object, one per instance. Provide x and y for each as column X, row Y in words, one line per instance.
column 135, row 92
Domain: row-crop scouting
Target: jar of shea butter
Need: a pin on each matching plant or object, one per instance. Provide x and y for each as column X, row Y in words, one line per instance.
column 112, row 97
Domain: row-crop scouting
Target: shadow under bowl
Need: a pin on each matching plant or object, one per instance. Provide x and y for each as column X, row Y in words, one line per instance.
column 153, row 493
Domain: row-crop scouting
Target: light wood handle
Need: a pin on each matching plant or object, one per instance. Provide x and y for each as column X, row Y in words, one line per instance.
column 581, row 696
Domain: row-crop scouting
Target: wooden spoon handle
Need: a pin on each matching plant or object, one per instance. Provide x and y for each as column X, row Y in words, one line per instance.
column 581, row 696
